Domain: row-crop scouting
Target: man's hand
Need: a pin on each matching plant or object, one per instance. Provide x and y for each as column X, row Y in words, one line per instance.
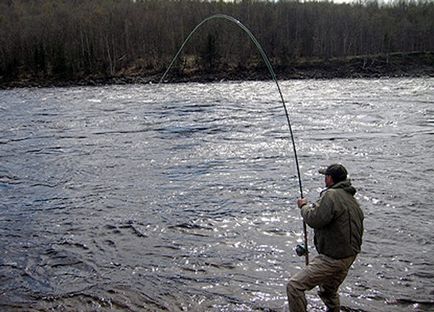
column 301, row 202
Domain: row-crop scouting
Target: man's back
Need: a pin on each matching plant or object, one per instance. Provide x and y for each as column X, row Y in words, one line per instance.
column 337, row 221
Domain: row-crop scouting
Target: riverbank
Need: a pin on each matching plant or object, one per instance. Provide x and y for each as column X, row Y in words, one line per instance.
column 416, row 64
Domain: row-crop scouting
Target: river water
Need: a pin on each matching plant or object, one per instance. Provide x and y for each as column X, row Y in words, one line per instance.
column 182, row 197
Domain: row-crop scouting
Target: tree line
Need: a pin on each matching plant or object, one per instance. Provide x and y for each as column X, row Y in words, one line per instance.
column 72, row 39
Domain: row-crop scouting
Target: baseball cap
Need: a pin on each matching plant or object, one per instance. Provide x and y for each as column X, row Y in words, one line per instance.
column 336, row 171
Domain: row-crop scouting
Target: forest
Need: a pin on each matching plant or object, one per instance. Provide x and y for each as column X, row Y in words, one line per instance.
column 103, row 40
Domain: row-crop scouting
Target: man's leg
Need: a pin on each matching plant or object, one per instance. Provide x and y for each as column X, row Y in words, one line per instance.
column 328, row 289
column 320, row 271
column 295, row 291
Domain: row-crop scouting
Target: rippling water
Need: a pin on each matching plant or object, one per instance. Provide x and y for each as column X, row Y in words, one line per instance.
column 181, row 197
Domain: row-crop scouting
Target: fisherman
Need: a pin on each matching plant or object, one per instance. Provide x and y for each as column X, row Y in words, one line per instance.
column 337, row 221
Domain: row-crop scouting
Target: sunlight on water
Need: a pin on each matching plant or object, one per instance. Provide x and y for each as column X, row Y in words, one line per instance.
column 182, row 197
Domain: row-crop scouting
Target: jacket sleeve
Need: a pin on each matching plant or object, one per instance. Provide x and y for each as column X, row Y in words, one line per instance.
column 320, row 214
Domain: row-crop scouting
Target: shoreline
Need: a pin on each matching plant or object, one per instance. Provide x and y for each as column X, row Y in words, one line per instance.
column 394, row 65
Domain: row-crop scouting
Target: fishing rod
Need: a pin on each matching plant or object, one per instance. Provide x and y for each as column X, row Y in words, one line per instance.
column 304, row 252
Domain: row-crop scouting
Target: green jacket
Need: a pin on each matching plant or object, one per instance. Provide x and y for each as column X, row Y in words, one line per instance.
column 337, row 221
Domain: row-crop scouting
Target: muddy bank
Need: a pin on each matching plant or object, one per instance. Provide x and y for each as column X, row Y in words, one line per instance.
column 417, row 64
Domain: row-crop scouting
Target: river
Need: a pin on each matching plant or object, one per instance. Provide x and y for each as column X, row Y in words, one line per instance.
column 181, row 197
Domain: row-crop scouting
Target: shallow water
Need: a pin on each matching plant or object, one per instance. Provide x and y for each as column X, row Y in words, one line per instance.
column 182, row 197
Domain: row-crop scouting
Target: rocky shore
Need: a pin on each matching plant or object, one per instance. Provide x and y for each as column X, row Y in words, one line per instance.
column 416, row 64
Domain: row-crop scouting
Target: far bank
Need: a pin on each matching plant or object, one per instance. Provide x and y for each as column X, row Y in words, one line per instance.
column 187, row 69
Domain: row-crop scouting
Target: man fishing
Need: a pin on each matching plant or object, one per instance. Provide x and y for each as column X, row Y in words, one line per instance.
column 337, row 221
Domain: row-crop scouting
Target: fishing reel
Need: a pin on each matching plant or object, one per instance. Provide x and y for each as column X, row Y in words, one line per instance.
column 300, row 251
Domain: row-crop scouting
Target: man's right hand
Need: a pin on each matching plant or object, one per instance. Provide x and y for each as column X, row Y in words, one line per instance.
column 301, row 202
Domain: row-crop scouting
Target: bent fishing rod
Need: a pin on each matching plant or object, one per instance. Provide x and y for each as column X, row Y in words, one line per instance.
column 305, row 252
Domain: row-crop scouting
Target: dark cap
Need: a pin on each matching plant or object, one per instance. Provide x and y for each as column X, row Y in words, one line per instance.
column 336, row 171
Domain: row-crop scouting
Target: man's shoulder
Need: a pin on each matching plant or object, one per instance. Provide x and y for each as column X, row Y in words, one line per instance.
column 328, row 192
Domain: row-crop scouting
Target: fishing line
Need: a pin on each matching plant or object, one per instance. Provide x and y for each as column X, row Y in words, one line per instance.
column 273, row 75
